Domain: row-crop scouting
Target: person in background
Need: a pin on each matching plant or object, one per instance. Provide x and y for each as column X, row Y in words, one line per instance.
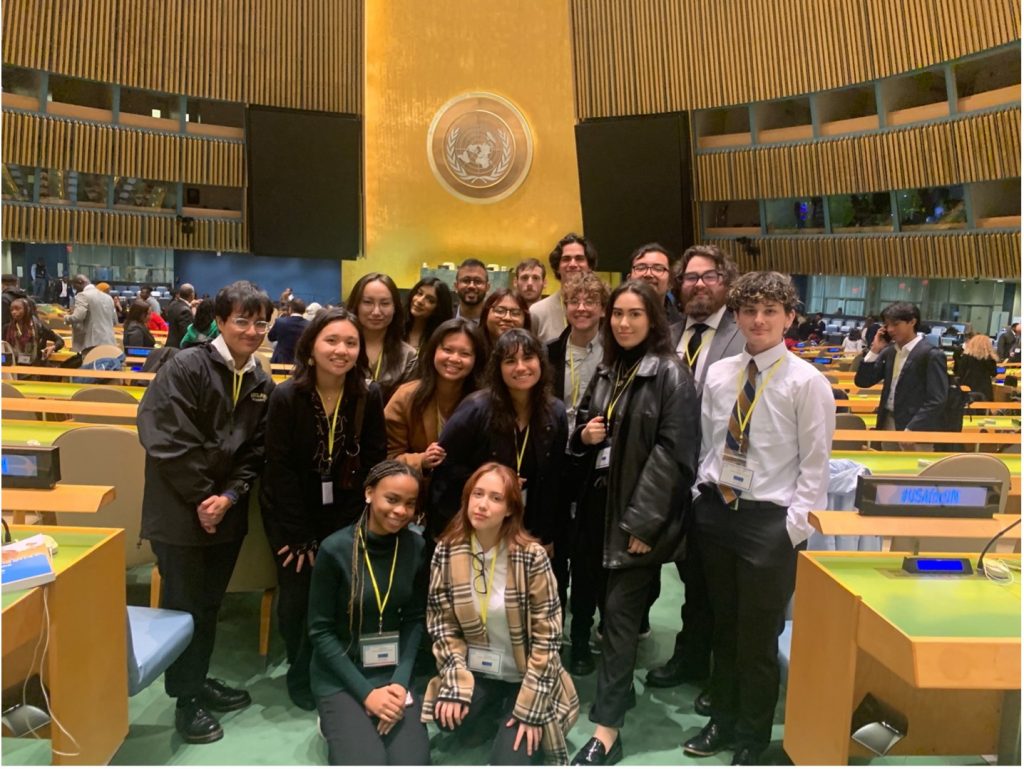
column 201, row 422
column 11, row 291
column 976, row 365
column 377, row 304
column 871, row 327
column 366, row 605
column 496, row 622
column 634, row 435
column 136, row 333
column 471, row 286
column 203, row 327
column 1008, row 340
column 63, row 293
column 429, row 304
column 32, row 342
column 39, row 280
column 325, row 430
column 530, row 280
column 93, row 317
column 287, row 330
column 119, row 307
column 853, row 342
column 573, row 253
column 146, row 295
column 651, row 263
column 178, row 314
column 504, row 309
column 311, row 310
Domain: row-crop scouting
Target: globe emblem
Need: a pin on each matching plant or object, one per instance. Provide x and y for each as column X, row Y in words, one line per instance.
column 479, row 154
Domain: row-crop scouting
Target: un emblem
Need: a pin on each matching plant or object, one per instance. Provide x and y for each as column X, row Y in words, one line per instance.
column 479, row 147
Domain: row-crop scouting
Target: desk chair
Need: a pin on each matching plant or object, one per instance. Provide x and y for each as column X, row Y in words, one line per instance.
column 156, row 638
column 104, row 394
column 849, row 422
column 101, row 351
column 10, row 391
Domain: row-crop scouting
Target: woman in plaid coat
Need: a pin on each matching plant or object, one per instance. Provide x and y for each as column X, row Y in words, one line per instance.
column 496, row 622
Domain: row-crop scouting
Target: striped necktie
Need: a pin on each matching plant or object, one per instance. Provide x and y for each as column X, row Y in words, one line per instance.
column 737, row 439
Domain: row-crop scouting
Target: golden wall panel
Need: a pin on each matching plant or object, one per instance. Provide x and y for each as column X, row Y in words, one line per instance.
column 648, row 56
column 973, row 148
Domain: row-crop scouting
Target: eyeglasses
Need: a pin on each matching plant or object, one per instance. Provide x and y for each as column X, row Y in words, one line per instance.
column 710, row 278
column 244, row 324
column 509, row 312
column 654, row 269
column 472, row 281
column 583, row 302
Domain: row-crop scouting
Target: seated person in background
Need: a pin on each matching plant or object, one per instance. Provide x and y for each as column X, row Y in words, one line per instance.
column 33, row 343
column 203, row 327
column 286, row 331
column 494, row 615
column 135, row 332
column 976, row 365
column 155, row 322
column 853, row 342
column 366, row 606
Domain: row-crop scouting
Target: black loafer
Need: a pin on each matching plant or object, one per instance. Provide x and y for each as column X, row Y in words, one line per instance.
column 195, row 723
column 216, row 695
column 702, row 705
column 673, row 673
column 747, row 757
column 712, row 739
column 582, row 661
column 594, row 754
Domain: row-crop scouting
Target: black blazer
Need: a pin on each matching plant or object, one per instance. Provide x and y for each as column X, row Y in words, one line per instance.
column 976, row 373
column 178, row 314
column 920, row 392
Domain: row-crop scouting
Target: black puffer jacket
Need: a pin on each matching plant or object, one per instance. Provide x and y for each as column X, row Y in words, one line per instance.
column 197, row 445
column 652, row 461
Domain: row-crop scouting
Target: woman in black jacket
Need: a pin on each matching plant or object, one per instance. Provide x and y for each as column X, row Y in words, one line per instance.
column 32, row 342
column 325, row 430
column 637, row 434
column 135, row 332
column 976, row 365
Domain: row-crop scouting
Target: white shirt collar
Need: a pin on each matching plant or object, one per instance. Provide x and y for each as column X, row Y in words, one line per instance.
column 766, row 358
column 221, row 347
column 714, row 320
column 905, row 349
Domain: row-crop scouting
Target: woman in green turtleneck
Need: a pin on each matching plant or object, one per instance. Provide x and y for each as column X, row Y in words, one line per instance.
column 366, row 607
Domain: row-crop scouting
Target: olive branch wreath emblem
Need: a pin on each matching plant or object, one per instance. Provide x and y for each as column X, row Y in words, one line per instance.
column 478, row 180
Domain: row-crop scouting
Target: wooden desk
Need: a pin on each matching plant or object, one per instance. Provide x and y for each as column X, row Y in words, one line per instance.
column 86, row 665
column 53, row 406
column 64, row 390
column 26, row 432
column 945, row 652
column 904, row 436
column 63, row 498
column 68, row 373
column 850, row 522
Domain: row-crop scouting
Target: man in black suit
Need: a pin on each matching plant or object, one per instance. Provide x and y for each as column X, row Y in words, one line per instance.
column 178, row 314
column 706, row 334
column 914, row 372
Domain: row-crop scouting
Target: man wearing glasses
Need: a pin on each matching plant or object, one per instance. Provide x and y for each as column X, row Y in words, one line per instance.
column 573, row 253
column 650, row 263
column 202, row 424
column 707, row 333
column 471, row 286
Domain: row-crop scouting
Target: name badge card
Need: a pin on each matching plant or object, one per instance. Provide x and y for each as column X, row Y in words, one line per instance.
column 484, row 660
column 735, row 472
column 379, row 650
column 327, row 491
column 604, row 458
column 23, row 359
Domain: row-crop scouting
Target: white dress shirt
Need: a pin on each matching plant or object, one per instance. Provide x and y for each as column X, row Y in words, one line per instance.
column 498, row 635
column 902, row 353
column 712, row 322
column 790, row 432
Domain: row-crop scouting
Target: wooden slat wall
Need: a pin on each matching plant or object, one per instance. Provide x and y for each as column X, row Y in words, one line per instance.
column 647, row 56
column 973, row 148
column 986, row 255
column 305, row 54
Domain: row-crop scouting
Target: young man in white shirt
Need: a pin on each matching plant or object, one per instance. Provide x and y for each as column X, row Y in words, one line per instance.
column 573, row 253
column 767, row 419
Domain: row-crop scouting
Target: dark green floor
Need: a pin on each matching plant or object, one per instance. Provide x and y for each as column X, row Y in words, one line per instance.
column 273, row 731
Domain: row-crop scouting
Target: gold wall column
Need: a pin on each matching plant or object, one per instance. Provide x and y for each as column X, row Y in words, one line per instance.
column 419, row 56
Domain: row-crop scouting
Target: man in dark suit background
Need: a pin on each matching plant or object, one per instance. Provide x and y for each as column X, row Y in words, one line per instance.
column 915, row 380
column 706, row 334
column 178, row 314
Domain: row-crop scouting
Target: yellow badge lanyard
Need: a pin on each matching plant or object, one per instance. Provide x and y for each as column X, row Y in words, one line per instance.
column 373, row 581
column 692, row 362
column 236, row 388
column 621, row 389
column 574, row 379
column 334, row 419
column 742, row 419
column 376, row 370
column 520, row 451
column 486, row 598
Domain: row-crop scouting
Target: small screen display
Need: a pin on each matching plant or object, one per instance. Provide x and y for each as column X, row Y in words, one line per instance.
column 138, row 352
column 834, row 349
column 19, row 465
column 931, row 496
column 1000, row 369
column 824, row 361
column 947, row 565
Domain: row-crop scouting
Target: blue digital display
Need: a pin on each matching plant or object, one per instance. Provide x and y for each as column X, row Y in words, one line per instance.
column 944, row 565
column 19, row 465
column 823, row 361
column 931, row 496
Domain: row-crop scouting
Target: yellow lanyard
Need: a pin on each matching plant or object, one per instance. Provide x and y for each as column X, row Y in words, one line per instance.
column 573, row 377
column 520, row 451
column 334, row 418
column 696, row 353
column 489, row 583
column 236, row 388
column 744, row 420
column 376, row 370
column 373, row 580
column 621, row 389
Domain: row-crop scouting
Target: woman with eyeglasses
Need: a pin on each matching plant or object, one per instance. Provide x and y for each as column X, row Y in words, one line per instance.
column 366, row 606
column 503, row 310
column 378, row 307
column 428, row 306
column 637, row 434
column 495, row 619
column 325, row 430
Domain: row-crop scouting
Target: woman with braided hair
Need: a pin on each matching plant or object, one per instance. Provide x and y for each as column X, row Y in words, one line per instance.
column 366, row 606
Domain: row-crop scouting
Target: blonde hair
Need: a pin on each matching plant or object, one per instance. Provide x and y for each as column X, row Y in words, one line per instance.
column 980, row 346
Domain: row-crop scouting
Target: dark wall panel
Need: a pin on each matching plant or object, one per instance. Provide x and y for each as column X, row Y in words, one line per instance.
column 314, row 280
column 305, row 183
column 635, row 184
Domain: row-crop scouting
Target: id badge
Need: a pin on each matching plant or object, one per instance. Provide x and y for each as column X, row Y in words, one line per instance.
column 327, row 491
column 23, row 359
column 379, row 650
column 735, row 473
column 604, row 458
column 484, row 660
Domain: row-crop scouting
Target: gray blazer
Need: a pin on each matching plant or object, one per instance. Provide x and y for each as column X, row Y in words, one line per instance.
column 728, row 341
column 92, row 320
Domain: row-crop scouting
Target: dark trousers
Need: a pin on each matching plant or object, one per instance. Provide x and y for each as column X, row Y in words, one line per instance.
column 194, row 579
column 589, row 577
column 750, row 567
column 624, row 607
column 292, row 607
column 693, row 641
column 491, row 705
column 353, row 740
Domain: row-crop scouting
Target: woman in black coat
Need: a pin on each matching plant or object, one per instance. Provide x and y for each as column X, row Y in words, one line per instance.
column 325, row 430
column 637, row 433
column 135, row 333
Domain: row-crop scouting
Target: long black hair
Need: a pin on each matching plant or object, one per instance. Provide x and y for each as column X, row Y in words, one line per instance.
column 392, row 349
column 442, row 311
column 427, row 382
column 658, row 338
column 304, row 370
column 503, row 412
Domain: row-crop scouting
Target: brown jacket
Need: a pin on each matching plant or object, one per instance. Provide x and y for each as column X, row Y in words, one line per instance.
column 547, row 697
column 410, row 433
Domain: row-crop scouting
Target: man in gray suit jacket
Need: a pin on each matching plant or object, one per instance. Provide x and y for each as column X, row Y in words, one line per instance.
column 706, row 334
column 93, row 317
